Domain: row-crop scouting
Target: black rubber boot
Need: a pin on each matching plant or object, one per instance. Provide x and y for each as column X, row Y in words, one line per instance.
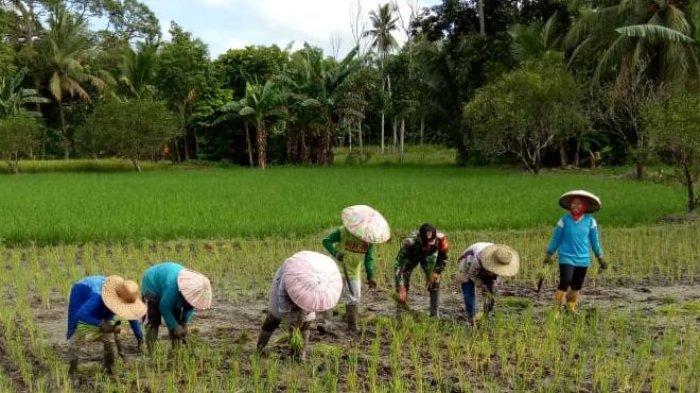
column 351, row 315
column 151, row 337
column 263, row 339
column 73, row 366
column 435, row 304
column 109, row 356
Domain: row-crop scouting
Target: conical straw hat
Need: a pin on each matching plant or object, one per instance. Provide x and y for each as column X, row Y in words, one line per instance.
column 123, row 298
column 313, row 281
column 500, row 260
column 594, row 203
column 366, row 223
column 195, row 288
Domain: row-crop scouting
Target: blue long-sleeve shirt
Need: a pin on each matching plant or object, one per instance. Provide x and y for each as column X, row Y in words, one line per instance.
column 86, row 306
column 574, row 239
column 160, row 281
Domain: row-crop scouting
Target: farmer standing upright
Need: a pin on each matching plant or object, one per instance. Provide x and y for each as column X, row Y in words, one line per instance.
column 173, row 292
column 353, row 245
column 480, row 265
column 575, row 234
column 92, row 305
column 306, row 283
column 427, row 247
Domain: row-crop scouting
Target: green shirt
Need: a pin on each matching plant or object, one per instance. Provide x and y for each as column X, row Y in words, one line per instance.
column 342, row 241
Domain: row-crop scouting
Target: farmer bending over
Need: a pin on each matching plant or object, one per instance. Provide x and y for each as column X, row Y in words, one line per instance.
column 92, row 305
column 352, row 245
column 480, row 265
column 306, row 283
column 426, row 247
column 173, row 292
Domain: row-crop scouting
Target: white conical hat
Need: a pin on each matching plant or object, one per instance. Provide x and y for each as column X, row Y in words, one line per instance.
column 313, row 281
column 195, row 288
column 366, row 223
column 594, row 203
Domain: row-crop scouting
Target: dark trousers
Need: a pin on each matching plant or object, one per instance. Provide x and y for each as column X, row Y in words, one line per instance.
column 571, row 277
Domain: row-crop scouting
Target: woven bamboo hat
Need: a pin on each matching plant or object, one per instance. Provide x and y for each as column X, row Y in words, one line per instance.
column 123, row 298
column 500, row 260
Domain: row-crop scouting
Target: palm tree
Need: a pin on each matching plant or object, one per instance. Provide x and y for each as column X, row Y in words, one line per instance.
column 647, row 36
column 319, row 91
column 642, row 45
column 260, row 103
column 138, row 69
column 65, row 51
column 14, row 98
column 384, row 23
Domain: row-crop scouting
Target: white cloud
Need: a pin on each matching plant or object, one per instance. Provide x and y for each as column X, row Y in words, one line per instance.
column 324, row 23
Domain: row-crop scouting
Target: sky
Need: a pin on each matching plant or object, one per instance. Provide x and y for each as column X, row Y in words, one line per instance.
column 227, row 24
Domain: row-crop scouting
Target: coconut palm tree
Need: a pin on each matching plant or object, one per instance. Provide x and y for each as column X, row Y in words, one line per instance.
column 138, row 69
column 65, row 51
column 646, row 36
column 258, row 106
column 384, row 24
column 642, row 45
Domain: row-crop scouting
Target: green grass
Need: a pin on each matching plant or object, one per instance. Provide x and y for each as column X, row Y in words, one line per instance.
column 287, row 202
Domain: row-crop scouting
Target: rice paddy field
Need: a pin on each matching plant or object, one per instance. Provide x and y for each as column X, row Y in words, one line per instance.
column 638, row 330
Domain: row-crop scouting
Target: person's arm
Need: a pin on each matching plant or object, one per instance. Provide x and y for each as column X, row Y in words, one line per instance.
column 188, row 314
column 136, row 328
column 556, row 238
column 330, row 241
column 402, row 259
column 442, row 254
column 86, row 313
column 369, row 261
column 167, row 302
column 594, row 237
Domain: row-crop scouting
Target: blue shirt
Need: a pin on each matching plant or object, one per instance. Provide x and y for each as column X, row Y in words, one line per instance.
column 574, row 239
column 160, row 281
column 86, row 306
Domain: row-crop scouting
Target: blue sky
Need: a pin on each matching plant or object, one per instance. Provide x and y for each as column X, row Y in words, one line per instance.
column 225, row 24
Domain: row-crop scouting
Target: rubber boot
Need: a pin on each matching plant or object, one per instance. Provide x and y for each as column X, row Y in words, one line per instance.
column 572, row 301
column 73, row 365
column 351, row 315
column 263, row 339
column 558, row 300
column 151, row 337
column 325, row 325
column 109, row 356
column 435, row 304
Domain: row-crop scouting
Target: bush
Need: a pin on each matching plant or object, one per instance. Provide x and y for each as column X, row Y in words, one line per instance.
column 134, row 129
column 19, row 134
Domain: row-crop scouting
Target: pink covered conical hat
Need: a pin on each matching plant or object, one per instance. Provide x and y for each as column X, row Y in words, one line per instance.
column 313, row 281
column 366, row 223
column 195, row 288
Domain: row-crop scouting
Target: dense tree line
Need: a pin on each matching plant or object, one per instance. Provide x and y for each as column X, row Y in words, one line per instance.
column 538, row 82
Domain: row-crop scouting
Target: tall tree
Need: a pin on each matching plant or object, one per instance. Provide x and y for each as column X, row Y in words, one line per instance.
column 183, row 71
column 384, row 24
column 644, row 41
column 260, row 104
column 137, row 71
column 65, row 51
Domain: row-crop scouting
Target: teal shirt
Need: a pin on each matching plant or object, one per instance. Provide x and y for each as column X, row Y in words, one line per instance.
column 160, row 281
column 574, row 240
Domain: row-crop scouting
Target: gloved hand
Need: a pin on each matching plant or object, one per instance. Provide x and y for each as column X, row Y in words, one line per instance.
column 180, row 332
column 107, row 326
column 602, row 263
column 372, row 283
column 339, row 256
column 547, row 259
column 403, row 294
